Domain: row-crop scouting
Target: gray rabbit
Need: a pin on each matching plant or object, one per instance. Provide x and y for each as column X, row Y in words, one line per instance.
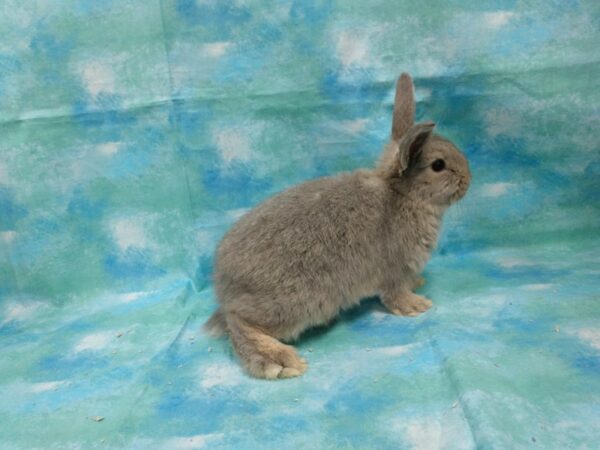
column 302, row 256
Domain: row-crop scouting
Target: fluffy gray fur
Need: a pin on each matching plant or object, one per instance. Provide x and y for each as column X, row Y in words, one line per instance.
column 299, row 258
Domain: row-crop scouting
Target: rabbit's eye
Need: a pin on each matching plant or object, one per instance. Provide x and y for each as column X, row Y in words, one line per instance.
column 438, row 165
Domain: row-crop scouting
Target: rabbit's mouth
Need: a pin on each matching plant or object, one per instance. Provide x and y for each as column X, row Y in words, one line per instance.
column 461, row 190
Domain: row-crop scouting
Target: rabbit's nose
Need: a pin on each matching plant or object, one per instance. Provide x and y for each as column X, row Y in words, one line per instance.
column 466, row 179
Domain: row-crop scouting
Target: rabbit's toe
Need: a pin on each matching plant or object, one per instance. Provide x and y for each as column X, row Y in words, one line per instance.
column 267, row 370
column 409, row 305
column 289, row 372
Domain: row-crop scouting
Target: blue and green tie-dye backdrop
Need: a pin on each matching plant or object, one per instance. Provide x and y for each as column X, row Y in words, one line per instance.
column 134, row 132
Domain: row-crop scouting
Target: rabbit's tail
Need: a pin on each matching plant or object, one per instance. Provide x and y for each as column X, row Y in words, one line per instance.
column 216, row 326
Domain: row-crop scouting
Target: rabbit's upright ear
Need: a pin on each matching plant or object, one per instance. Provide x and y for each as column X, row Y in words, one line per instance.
column 411, row 144
column 407, row 138
column 404, row 107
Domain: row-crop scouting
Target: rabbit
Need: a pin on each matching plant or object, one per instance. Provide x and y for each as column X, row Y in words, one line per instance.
column 299, row 258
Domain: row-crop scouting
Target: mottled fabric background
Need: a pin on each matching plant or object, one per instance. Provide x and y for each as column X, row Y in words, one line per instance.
column 134, row 132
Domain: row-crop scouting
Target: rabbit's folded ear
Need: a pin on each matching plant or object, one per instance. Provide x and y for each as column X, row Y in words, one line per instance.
column 404, row 107
column 410, row 147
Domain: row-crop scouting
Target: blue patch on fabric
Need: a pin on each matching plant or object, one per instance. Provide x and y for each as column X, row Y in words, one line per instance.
column 10, row 211
column 131, row 264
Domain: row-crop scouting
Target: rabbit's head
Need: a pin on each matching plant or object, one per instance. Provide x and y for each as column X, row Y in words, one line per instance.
column 421, row 163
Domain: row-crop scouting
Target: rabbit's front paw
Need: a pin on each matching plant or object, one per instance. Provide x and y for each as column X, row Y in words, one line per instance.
column 408, row 304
